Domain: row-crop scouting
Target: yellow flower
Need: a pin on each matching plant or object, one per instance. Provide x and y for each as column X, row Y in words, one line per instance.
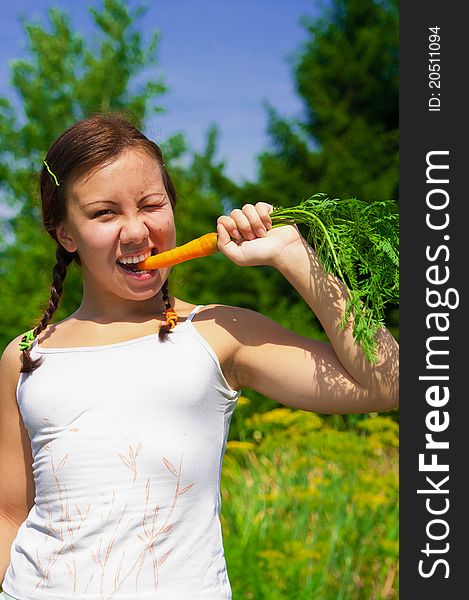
column 369, row 500
column 272, row 555
column 237, row 445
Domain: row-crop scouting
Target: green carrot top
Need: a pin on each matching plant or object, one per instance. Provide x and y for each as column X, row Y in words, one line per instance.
column 359, row 242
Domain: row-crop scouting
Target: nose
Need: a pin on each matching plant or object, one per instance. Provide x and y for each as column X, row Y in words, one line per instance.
column 134, row 230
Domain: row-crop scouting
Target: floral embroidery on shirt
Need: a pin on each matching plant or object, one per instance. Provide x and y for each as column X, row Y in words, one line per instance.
column 153, row 526
column 54, row 525
column 131, row 461
column 151, row 533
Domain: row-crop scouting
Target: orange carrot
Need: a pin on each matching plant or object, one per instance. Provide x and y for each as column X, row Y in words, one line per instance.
column 201, row 246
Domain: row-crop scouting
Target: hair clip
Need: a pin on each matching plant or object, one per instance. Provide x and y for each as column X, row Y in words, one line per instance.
column 56, row 182
column 27, row 340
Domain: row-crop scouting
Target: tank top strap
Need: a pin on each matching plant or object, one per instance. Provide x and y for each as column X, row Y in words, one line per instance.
column 194, row 312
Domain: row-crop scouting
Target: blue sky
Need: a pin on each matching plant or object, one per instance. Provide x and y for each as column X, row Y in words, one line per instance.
column 220, row 59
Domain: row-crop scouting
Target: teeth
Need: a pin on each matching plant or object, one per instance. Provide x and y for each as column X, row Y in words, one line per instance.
column 129, row 260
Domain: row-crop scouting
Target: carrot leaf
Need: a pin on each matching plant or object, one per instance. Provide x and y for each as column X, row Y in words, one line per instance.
column 358, row 242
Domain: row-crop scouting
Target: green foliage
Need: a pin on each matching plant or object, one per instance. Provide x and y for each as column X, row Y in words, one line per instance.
column 345, row 141
column 322, row 491
column 64, row 78
column 308, row 511
column 344, row 144
column 76, row 83
column 348, row 77
column 358, row 242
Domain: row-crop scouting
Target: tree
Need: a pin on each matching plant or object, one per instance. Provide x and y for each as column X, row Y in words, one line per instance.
column 63, row 80
column 345, row 143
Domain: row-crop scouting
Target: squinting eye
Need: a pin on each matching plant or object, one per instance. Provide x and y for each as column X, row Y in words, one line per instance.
column 152, row 206
column 105, row 211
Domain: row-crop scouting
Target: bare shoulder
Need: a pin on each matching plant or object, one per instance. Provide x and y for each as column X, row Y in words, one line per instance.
column 233, row 332
column 17, row 490
column 10, row 368
column 10, row 365
column 243, row 326
column 217, row 324
column 224, row 320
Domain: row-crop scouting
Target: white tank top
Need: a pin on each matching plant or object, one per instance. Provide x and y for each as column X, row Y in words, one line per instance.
column 128, row 441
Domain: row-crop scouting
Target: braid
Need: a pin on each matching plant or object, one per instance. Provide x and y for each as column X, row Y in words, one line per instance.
column 59, row 271
column 171, row 316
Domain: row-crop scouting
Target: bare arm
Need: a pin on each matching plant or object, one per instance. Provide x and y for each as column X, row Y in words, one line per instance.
column 326, row 295
column 292, row 369
column 16, row 478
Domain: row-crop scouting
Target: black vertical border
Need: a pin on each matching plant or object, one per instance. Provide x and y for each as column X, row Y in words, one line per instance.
column 422, row 131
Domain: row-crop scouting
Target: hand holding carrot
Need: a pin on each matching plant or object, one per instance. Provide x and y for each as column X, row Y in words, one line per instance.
column 247, row 238
column 339, row 234
column 234, row 232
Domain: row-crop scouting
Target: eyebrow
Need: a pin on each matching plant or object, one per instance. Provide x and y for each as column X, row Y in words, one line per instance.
column 116, row 203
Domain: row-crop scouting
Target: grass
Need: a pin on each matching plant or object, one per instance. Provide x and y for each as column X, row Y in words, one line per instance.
column 310, row 512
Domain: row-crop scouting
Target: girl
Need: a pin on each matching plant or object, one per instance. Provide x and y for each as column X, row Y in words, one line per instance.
column 112, row 437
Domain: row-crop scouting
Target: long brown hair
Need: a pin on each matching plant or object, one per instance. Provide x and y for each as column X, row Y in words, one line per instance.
column 86, row 145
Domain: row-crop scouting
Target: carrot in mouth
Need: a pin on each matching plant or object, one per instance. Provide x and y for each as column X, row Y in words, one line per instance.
column 355, row 240
column 201, row 246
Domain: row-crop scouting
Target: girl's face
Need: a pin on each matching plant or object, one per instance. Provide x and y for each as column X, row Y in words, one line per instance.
column 119, row 211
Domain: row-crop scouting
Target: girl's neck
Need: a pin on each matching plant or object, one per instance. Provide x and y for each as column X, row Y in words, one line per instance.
column 122, row 311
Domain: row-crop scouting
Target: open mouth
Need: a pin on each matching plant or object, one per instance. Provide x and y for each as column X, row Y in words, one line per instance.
column 132, row 267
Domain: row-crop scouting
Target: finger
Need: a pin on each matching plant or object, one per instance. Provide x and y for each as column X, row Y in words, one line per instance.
column 230, row 225
column 224, row 239
column 243, row 224
column 255, row 220
column 264, row 209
